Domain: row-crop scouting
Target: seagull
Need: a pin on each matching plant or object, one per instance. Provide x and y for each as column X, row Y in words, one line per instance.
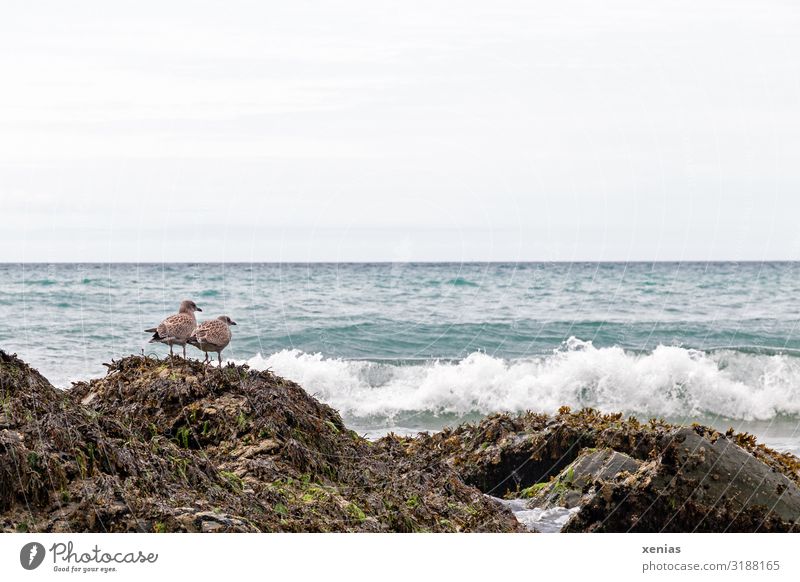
column 177, row 328
column 213, row 336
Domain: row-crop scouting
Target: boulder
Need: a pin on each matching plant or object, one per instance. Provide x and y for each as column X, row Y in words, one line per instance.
column 625, row 475
column 696, row 483
column 580, row 480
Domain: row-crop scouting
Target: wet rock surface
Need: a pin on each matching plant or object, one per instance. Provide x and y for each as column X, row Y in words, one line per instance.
column 569, row 487
column 169, row 445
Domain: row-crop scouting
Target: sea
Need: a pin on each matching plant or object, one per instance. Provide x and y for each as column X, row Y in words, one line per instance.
column 409, row 347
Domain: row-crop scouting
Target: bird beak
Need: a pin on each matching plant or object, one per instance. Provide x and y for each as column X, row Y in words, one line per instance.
column 233, row 323
column 197, row 309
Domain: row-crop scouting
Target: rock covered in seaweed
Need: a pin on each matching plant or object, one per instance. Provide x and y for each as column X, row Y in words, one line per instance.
column 169, row 445
column 625, row 475
column 584, row 475
column 697, row 481
column 66, row 467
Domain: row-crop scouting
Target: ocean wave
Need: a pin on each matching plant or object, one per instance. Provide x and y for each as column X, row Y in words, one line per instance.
column 461, row 282
column 668, row 381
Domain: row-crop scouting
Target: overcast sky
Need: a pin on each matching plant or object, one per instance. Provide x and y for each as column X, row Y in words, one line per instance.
column 372, row 130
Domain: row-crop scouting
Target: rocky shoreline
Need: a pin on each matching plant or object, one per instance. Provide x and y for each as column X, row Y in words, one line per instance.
column 171, row 446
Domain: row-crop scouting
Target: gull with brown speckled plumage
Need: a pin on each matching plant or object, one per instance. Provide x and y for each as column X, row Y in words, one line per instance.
column 213, row 336
column 176, row 329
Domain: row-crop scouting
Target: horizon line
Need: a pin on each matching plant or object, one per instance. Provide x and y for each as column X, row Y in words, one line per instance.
column 420, row 262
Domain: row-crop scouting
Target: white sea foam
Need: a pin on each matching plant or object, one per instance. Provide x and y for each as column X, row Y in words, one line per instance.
column 669, row 381
column 550, row 520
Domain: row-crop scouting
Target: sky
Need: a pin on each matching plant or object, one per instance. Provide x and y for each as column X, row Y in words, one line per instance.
column 399, row 131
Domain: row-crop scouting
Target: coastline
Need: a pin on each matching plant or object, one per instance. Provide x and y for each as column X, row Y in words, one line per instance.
column 168, row 445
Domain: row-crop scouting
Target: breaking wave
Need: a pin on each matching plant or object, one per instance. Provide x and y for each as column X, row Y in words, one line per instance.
column 668, row 381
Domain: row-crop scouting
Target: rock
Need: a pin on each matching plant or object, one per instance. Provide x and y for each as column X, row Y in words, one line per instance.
column 625, row 475
column 169, row 445
column 678, row 492
column 220, row 522
column 583, row 478
column 742, row 481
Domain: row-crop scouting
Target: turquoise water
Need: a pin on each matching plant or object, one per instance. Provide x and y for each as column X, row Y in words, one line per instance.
column 415, row 346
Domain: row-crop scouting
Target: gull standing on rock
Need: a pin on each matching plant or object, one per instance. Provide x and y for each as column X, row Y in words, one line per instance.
column 213, row 336
column 177, row 328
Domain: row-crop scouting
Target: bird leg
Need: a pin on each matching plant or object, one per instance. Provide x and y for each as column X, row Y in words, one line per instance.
column 219, row 357
column 184, row 351
column 170, row 350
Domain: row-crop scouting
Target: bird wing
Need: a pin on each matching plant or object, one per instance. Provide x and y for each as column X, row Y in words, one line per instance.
column 213, row 332
column 178, row 326
column 201, row 330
